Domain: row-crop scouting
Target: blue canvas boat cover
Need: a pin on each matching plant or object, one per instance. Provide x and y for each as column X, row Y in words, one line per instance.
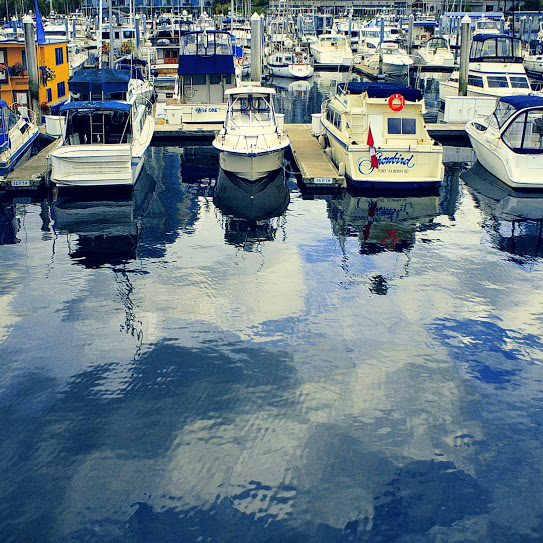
column 523, row 101
column 380, row 90
column 95, row 105
column 97, row 80
column 215, row 64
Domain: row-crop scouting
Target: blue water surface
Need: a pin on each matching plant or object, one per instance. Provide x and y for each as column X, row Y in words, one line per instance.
column 193, row 363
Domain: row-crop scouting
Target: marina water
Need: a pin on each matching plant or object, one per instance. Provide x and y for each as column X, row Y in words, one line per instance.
column 182, row 367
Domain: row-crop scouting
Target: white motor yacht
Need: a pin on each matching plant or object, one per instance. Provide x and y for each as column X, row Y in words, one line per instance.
column 108, row 128
column 495, row 68
column 332, row 51
column 436, row 52
column 206, row 70
column 390, row 60
column 291, row 63
column 376, row 136
column 509, row 143
column 251, row 143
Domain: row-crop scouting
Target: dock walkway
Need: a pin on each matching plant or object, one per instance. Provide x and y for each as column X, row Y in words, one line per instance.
column 316, row 169
column 32, row 174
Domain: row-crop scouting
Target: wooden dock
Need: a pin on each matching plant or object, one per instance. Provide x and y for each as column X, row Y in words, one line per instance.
column 316, row 169
column 30, row 175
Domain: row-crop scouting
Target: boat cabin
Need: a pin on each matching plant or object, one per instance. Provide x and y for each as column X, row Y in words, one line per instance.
column 206, row 67
column 521, row 118
column 358, row 105
column 495, row 48
column 250, row 107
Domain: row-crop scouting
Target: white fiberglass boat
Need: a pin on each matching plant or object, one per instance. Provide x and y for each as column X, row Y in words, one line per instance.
column 495, row 68
column 251, row 143
column 108, row 128
column 332, row 51
column 390, row 59
column 17, row 134
column 377, row 137
column 509, row 143
column 294, row 64
column 436, row 52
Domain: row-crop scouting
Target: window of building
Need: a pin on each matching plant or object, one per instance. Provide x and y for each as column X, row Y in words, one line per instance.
column 59, row 55
column 61, row 89
column 3, row 74
column 49, row 95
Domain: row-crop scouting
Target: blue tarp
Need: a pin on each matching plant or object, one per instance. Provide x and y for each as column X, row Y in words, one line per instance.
column 216, row 64
column 381, row 90
column 95, row 105
column 98, row 80
column 523, row 101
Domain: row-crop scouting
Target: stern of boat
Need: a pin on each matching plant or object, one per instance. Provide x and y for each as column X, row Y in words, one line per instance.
column 94, row 165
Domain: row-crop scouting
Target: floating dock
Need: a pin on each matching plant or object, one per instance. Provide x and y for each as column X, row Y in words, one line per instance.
column 316, row 169
column 30, row 175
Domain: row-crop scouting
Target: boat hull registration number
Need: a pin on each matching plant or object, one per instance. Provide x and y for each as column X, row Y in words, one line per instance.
column 323, row 180
column 20, row 183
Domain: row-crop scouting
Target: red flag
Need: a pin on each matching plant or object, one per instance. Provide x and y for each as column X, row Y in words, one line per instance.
column 373, row 156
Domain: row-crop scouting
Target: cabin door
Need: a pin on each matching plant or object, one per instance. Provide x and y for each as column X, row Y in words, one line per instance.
column 216, row 91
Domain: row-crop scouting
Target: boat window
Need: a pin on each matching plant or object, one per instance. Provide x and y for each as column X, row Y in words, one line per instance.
column 215, row 79
column 503, row 112
column 497, row 81
column 525, row 133
column 513, row 135
column 334, row 118
column 519, row 82
column 402, row 126
column 475, row 80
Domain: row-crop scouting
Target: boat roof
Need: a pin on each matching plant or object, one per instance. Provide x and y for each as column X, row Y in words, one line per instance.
column 381, row 90
column 95, row 105
column 99, row 80
column 483, row 37
column 250, row 89
column 3, row 103
column 523, row 101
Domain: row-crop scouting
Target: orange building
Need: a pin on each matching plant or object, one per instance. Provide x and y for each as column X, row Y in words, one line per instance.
column 53, row 73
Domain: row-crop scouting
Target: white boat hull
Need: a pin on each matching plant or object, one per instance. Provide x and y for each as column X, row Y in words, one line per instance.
column 520, row 171
column 95, row 165
column 292, row 71
column 399, row 165
column 251, row 167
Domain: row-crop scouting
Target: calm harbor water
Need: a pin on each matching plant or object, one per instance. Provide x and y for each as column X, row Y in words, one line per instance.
column 193, row 363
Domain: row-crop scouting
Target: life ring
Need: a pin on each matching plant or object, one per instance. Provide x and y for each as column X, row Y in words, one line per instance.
column 241, row 61
column 397, row 107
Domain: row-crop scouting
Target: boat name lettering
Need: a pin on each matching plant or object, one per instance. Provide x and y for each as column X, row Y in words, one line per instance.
column 397, row 158
column 206, row 109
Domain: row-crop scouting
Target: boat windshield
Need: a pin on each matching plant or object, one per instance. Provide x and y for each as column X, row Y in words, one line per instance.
column 502, row 112
column 86, row 126
column 437, row 43
column 491, row 48
column 248, row 108
column 525, row 133
column 206, row 44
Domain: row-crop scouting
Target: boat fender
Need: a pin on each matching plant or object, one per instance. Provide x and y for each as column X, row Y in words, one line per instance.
column 322, row 141
column 328, row 152
column 396, row 107
column 341, row 169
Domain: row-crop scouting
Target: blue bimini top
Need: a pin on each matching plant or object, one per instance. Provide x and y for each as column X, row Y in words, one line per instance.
column 524, row 101
column 95, row 80
column 380, row 90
